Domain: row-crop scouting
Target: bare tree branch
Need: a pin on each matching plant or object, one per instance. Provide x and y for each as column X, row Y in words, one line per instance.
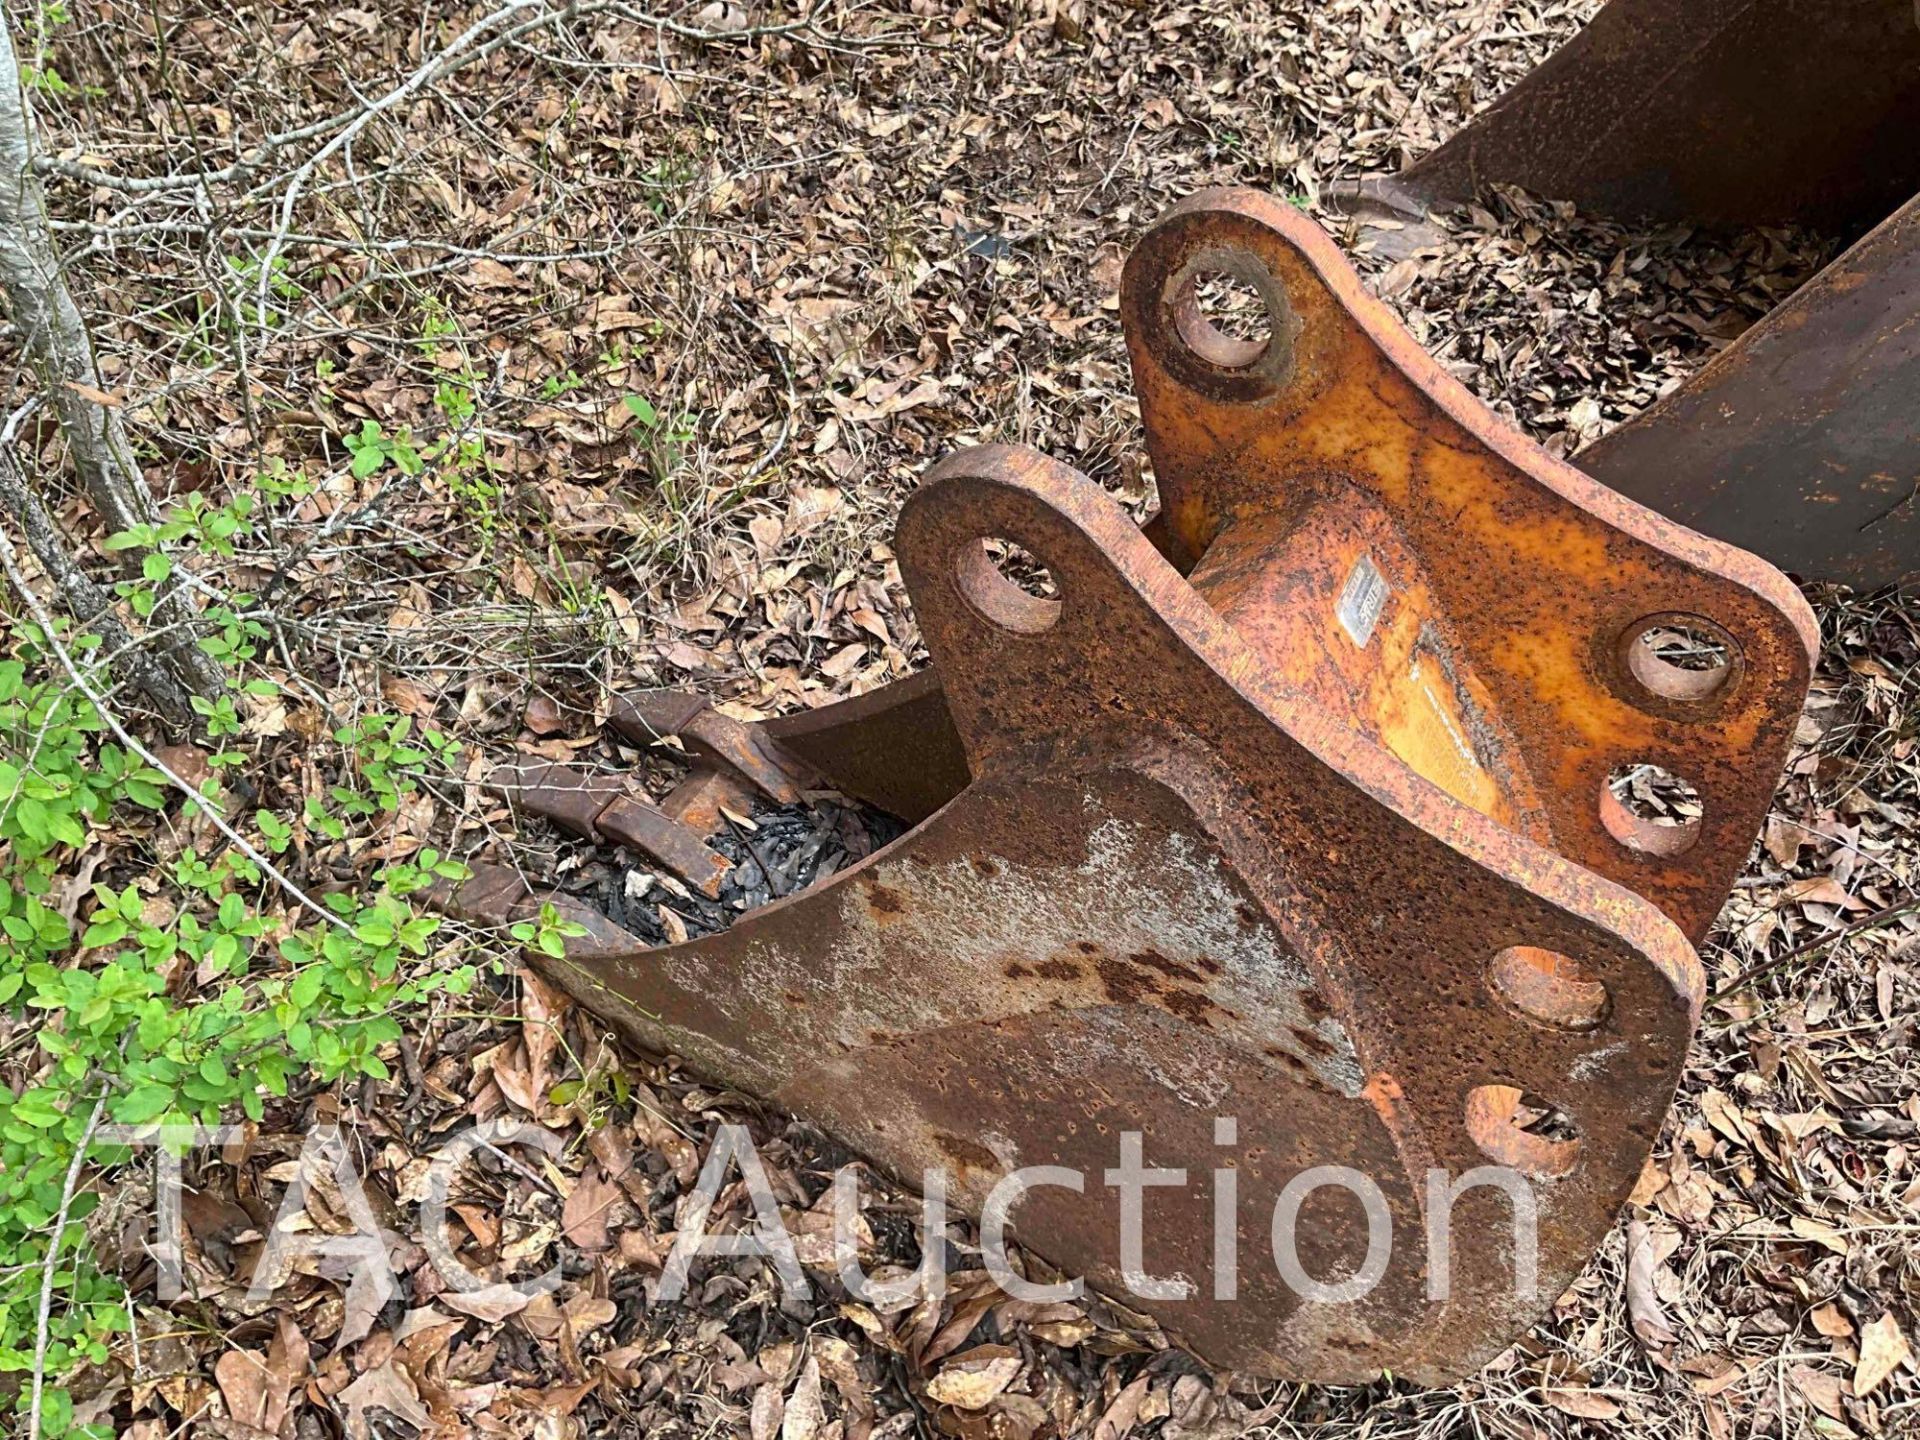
column 89, row 604
column 54, row 336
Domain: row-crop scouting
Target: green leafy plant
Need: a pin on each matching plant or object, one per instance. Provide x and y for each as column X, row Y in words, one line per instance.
column 182, row 989
column 373, row 449
column 37, row 71
column 666, row 435
column 461, row 458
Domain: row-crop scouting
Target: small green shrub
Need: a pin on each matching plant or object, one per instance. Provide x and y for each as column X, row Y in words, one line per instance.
column 190, row 991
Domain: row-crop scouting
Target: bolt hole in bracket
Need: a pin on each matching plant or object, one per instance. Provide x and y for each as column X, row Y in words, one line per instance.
column 1285, row 814
column 1006, row 586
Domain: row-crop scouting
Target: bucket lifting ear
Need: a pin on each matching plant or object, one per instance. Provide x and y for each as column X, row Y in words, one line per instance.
column 1282, row 843
column 1543, row 586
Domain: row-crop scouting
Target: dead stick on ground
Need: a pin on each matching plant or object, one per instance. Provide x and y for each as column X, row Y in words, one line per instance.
column 1867, row 922
column 44, row 1322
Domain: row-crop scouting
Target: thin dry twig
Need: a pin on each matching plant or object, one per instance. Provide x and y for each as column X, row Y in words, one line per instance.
column 43, row 1319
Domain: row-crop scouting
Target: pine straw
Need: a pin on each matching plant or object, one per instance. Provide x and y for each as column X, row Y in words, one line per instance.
column 841, row 260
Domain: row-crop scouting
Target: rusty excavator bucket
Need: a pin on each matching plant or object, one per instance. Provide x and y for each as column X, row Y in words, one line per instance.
column 1286, row 834
column 1800, row 441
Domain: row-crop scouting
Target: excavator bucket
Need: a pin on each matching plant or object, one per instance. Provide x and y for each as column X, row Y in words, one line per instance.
column 1283, row 852
column 1800, row 441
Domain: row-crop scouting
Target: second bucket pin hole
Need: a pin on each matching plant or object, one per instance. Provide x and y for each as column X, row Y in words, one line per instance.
column 1680, row 659
column 1009, row 585
column 1648, row 808
column 1226, row 319
column 1017, row 565
column 1233, row 306
column 1522, row 1131
column 1548, row 987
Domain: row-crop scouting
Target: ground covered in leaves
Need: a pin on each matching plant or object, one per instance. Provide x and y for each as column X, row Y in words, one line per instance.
column 607, row 361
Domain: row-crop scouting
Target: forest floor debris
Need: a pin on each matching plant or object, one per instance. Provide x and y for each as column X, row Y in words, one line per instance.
column 608, row 359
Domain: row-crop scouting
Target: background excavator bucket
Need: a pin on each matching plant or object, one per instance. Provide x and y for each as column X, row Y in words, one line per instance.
column 1283, row 841
column 1800, row 441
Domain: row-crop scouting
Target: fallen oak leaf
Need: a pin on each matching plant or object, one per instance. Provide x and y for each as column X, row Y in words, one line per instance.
column 1585, row 1404
column 243, row 1380
column 1020, row 1417
column 287, row 1361
column 1064, row 1333
column 1883, row 1349
column 491, row 1303
column 1828, row 1320
column 1716, row 1374
column 1808, row 1228
column 768, row 1410
column 809, row 507
column 974, row 1380
column 872, row 1327
column 424, row 1333
column 387, row 1388
column 546, row 1320
column 1820, row 890
column 561, row 1400
column 1824, row 1392
column 584, row 1217
column 1725, row 1116
column 543, row 716
column 542, row 1012
column 840, row 1366
column 1649, row 1317
column 805, row 1415
column 1117, row 1421
column 96, row 395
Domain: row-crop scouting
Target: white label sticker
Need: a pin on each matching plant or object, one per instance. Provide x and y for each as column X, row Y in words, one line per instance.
column 1362, row 599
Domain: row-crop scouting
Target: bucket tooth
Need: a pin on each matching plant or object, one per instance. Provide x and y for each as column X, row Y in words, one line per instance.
column 645, row 716
column 1284, row 843
column 598, row 807
column 491, row 896
column 698, row 800
column 569, row 797
column 648, row 830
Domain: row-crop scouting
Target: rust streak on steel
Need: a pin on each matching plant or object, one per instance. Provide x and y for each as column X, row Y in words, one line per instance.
column 1801, row 440
column 1295, row 812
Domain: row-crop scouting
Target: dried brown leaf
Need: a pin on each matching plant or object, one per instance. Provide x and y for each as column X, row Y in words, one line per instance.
column 805, row 1414
column 491, row 1303
column 387, row 1388
column 1586, row 1404
column 1825, row 1392
column 587, row 1210
column 243, row 1381
column 769, row 1408
column 1650, row 1322
column 972, row 1381
column 1883, row 1349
